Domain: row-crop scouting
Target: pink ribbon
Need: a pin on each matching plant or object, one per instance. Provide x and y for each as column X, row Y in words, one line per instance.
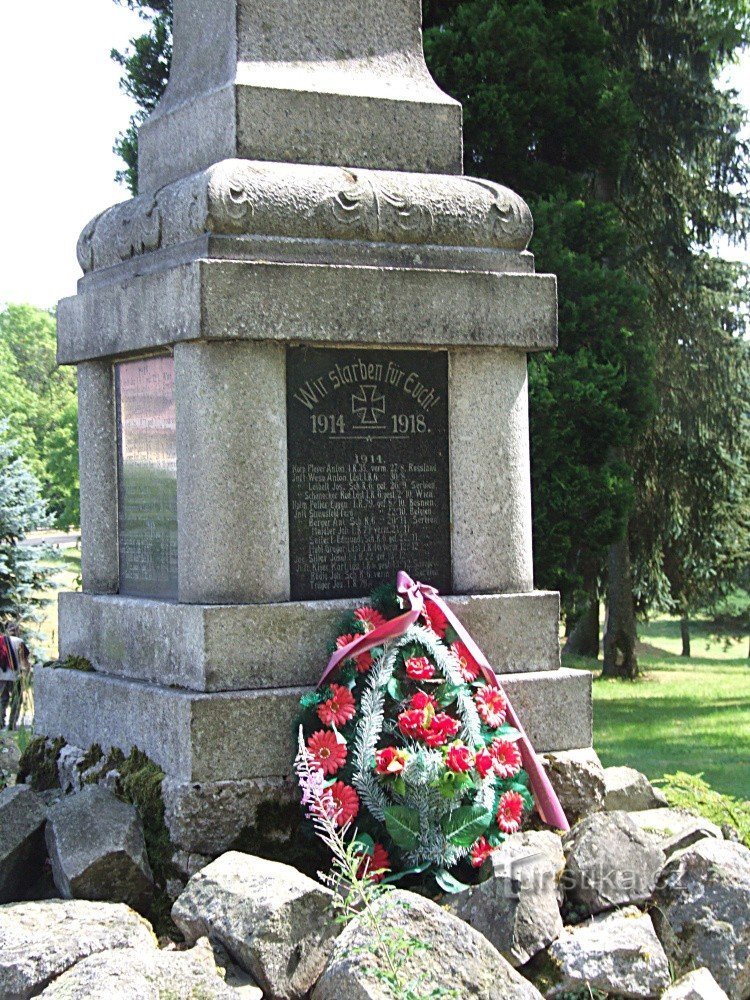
column 416, row 596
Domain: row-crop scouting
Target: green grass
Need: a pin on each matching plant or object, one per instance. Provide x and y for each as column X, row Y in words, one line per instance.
column 690, row 715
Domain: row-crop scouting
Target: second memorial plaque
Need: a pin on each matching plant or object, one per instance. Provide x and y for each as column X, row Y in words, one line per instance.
column 368, row 469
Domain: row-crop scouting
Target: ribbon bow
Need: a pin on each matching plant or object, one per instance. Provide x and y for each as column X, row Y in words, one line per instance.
column 416, row 596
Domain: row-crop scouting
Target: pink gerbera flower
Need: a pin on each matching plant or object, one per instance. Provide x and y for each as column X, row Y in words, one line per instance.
column 506, row 757
column 370, row 618
column 466, row 663
column 480, row 852
column 491, row 705
column 328, row 751
column 339, row 708
column 510, row 812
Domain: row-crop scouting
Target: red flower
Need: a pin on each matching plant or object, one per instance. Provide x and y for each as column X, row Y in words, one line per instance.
column 441, row 729
column 434, row 618
column 345, row 803
column 491, row 705
column 339, row 708
column 328, row 751
column 370, row 618
column 363, row 661
column 506, row 757
column 484, row 762
column 466, row 663
column 459, row 759
column 419, row 668
column 378, row 863
column 344, row 640
column 421, row 700
column 510, row 812
column 390, row 761
column 480, row 852
column 411, row 722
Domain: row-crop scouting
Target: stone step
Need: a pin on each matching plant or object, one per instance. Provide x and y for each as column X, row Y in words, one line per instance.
column 252, row 646
column 250, row 734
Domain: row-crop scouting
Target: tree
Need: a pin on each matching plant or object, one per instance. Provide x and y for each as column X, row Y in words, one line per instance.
column 22, row 510
column 146, row 71
column 38, row 401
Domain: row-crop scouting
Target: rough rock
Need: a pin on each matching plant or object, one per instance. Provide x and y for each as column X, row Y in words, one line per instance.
column 39, row 941
column 22, row 818
column 97, row 849
column 543, row 842
column 578, row 779
column 455, row 956
column 516, row 908
column 674, row 829
column 697, row 985
column 156, row 975
column 617, row 953
column 274, row 922
column 627, row 790
column 610, row 862
column 69, row 763
column 701, row 912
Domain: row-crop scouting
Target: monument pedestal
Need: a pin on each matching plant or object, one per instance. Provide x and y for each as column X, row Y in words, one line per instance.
column 295, row 379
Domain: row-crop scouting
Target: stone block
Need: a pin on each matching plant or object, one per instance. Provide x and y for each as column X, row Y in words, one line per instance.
column 578, row 779
column 22, row 853
column 250, row 734
column 696, row 985
column 674, row 829
column 39, row 941
column 237, row 647
column 243, row 300
column 630, row 791
column 274, row 922
column 97, row 849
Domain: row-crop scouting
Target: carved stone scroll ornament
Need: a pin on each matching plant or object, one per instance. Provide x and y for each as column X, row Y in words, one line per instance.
column 298, row 201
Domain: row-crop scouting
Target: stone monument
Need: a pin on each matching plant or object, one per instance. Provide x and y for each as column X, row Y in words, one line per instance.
column 301, row 356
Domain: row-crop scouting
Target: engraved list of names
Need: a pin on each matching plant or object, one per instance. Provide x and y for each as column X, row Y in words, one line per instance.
column 368, row 469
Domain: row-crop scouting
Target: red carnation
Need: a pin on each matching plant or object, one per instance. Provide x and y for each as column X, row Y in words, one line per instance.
column 370, row 618
column 491, row 705
column 466, row 663
column 434, row 618
column 339, row 708
column 378, row 863
column 510, row 812
column 345, row 803
column 421, row 700
column 484, row 762
column 481, row 850
column 390, row 761
column 419, row 668
column 506, row 757
column 328, row 751
column 459, row 759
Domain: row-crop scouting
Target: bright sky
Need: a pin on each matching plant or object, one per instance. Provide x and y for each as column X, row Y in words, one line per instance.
column 61, row 110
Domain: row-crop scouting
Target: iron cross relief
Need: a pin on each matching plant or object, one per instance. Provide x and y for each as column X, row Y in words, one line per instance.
column 368, row 403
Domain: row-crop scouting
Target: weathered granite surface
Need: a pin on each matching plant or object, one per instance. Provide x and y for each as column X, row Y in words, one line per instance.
column 241, row 646
column 22, row 818
column 193, row 737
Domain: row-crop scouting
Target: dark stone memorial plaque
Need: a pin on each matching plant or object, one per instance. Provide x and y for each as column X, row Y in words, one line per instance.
column 147, row 460
column 368, row 469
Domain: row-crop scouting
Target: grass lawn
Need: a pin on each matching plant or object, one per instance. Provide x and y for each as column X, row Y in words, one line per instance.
column 684, row 714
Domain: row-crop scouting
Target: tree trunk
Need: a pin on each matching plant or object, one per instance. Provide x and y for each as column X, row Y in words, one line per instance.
column 584, row 636
column 685, row 635
column 620, row 630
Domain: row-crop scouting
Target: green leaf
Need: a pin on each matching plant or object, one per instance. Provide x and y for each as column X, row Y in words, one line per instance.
column 402, row 823
column 399, row 786
column 496, row 837
column 368, row 844
column 394, row 689
column 447, row 693
column 448, row 882
column 463, row 826
column 508, row 733
column 397, row 876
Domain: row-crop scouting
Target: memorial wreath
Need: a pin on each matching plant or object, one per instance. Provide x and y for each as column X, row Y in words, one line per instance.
column 414, row 744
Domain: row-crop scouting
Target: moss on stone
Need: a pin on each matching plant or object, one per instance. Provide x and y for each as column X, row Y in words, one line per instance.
column 74, row 663
column 38, row 764
column 91, row 758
